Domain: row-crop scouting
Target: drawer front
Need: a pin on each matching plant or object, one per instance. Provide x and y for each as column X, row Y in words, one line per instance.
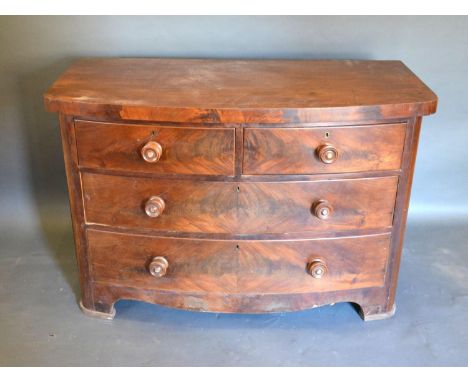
column 239, row 266
column 155, row 149
column 323, row 150
column 239, row 207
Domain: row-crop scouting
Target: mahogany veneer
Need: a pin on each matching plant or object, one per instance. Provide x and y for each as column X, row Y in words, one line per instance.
column 227, row 266
column 291, row 150
column 239, row 186
column 187, row 150
column 239, row 208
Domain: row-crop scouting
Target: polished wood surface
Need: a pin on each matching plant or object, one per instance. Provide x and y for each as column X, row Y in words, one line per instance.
column 239, row 91
column 297, row 150
column 211, row 266
column 185, row 150
column 239, row 186
column 240, row 208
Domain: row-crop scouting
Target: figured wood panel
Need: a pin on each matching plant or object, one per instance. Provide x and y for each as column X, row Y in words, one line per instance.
column 239, row 91
column 185, row 150
column 236, row 267
column 294, row 150
column 235, row 207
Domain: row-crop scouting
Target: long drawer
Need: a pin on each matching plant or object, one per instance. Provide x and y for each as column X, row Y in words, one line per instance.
column 239, row 207
column 155, row 149
column 323, row 150
column 215, row 266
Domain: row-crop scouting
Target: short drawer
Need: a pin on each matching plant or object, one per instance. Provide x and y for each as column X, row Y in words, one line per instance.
column 239, row 207
column 323, row 150
column 215, row 266
column 155, row 149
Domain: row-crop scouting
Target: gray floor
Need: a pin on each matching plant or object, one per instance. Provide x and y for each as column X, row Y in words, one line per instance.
column 40, row 323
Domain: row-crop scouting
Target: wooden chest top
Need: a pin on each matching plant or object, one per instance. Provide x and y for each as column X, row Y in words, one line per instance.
column 240, row 91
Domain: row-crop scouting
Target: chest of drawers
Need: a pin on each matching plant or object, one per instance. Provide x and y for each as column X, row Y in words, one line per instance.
column 239, row 186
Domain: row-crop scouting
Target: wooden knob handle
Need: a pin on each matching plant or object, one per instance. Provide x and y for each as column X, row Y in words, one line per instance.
column 327, row 153
column 158, row 266
column 154, row 206
column 151, row 152
column 322, row 209
column 317, row 269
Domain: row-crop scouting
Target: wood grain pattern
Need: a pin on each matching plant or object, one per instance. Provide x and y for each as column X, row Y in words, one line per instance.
column 294, row 150
column 239, row 91
column 107, row 294
column 241, row 208
column 185, row 150
column 231, row 267
column 202, row 184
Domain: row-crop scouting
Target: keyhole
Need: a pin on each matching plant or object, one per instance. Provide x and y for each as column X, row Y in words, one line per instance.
column 327, row 134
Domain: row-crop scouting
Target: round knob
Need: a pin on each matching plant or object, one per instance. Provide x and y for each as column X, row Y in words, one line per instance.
column 317, row 269
column 158, row 266
column 154, row 206
column 327, row 153
column 151, row 152
column 322, row 209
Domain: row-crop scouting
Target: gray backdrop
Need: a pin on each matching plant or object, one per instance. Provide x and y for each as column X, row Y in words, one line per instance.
column 35, row 50
column 38, row 282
